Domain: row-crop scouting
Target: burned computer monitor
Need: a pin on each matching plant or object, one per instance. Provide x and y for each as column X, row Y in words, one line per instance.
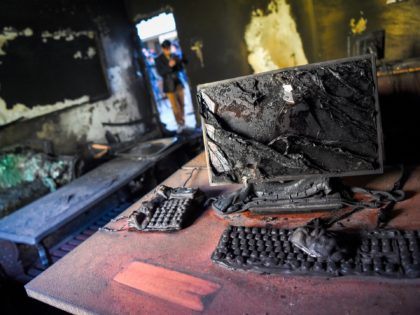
column 312, row 121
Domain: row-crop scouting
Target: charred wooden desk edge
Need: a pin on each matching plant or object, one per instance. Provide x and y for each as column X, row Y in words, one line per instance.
column 12, row 228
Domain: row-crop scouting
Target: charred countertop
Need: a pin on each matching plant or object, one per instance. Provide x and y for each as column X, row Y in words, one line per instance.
column 171, row 273
column 399, row 67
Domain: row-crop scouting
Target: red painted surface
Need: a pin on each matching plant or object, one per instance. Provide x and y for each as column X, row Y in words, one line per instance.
column 169, row 285
column 83, row 280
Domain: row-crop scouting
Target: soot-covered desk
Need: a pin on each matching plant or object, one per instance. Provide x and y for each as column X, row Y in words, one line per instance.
column 171, row 273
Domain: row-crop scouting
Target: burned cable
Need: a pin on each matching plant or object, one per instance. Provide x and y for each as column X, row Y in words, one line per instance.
column 190, row 176
column 384, row 200
column 107, row 229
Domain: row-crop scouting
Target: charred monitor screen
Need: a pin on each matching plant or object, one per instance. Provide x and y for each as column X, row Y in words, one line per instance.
column 315, row 120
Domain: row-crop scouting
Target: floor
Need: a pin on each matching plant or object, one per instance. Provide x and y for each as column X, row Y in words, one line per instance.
column 167, row 116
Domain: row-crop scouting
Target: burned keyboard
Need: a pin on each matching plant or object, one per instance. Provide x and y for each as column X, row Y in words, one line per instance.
column 169, row 210
column 387, row 253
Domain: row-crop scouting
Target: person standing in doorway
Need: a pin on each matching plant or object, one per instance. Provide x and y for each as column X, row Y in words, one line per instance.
column 169, row 66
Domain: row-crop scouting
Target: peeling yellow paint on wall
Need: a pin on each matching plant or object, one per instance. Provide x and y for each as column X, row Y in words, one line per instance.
column 89, row 54
column 272, row 39
column 9, row 34
column 20, row 110
column 65, row 34
column 358, row 27
column 48, row 129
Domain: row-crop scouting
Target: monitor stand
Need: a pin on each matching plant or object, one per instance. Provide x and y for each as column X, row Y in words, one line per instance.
column 297, row 196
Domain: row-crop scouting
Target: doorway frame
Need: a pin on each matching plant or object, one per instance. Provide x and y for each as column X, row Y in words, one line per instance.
column 136, row 20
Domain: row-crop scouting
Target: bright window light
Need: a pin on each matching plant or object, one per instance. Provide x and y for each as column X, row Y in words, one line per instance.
column 169, row 36
column 155, row 26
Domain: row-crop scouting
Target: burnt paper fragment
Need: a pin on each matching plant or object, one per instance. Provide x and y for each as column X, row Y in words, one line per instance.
column 320, row 119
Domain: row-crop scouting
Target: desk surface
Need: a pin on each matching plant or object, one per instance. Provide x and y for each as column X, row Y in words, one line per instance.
column 112, row 273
